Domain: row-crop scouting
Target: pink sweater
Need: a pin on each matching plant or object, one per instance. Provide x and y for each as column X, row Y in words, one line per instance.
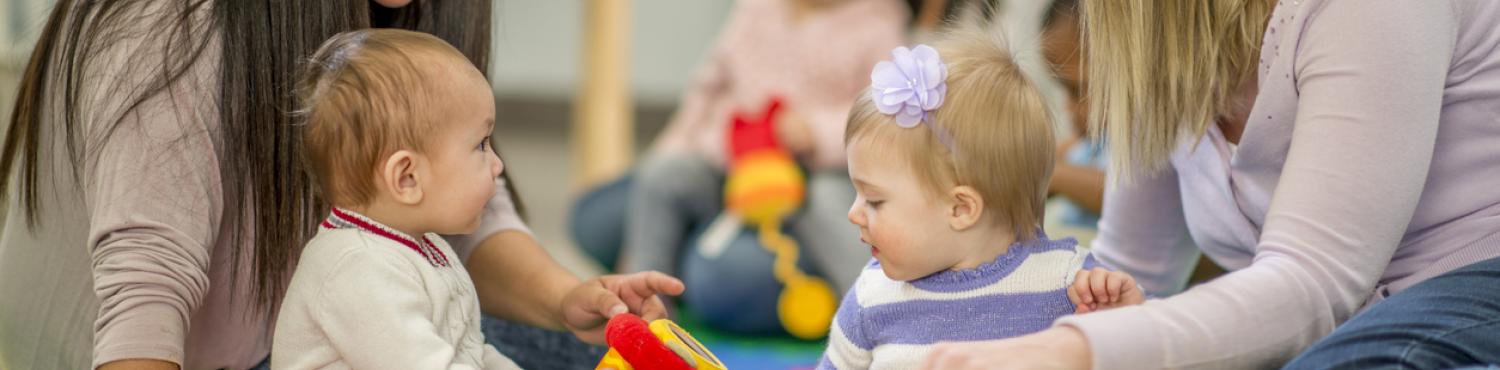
column 129, row 261
column 1369, row 163
column 818, row 63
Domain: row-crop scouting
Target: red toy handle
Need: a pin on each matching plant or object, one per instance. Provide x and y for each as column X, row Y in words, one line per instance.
column 631, row 337
column 750, row 132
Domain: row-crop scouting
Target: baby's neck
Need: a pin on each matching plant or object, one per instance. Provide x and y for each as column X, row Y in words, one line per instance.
column 984, row 244
column 400, row 219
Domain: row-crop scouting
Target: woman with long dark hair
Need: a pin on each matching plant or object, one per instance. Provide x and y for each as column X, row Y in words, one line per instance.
column 157, row 201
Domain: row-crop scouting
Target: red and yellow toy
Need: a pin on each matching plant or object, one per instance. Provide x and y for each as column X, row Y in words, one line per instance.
column 660, row 345
column 764, row 186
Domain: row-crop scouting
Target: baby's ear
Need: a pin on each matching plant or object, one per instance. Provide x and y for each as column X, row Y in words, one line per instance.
column 399, row 175
column 965, row 207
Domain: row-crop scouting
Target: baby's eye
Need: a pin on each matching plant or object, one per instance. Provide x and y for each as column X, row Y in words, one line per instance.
column 874, row 203
column 483, row 144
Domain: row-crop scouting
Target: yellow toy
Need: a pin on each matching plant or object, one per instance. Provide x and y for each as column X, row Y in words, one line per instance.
column 763, row 187
column 661, row 345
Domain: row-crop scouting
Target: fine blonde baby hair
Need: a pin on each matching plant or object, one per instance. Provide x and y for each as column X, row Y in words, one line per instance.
column 363, row 96
column 993, row 131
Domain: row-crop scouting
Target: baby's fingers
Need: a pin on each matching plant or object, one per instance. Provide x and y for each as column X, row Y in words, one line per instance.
column 1074, row 296
column 1117, row 284
column 1080, row 292
column 1099, row 284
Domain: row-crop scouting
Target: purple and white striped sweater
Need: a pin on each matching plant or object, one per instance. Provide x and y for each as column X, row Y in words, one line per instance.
column 888, row 324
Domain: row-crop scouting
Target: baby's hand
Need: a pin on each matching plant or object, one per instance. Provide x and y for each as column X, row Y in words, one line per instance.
column 589, row 306
column 1101, row 289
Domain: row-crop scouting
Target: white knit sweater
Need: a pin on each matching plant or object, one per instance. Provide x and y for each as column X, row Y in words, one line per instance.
column 365, row 296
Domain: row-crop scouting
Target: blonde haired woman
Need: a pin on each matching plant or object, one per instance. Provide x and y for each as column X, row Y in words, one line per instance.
column 1333, row 154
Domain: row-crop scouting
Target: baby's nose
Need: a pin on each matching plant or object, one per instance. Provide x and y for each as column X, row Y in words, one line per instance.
column 855, row 215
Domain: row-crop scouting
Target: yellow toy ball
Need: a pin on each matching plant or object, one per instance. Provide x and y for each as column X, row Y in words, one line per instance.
column 806, row 308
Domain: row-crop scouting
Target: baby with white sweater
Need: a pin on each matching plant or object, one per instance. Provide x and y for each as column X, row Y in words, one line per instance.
column 397, row 136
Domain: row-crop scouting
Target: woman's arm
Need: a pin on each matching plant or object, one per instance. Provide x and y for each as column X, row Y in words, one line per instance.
column 1370, row 80
column 514, row 276
column 154, row 209
column 1141, row 233
column 516, row 279
column 153, row 191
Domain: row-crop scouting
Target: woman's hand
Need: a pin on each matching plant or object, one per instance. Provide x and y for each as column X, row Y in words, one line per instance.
column 1060, row 347
column 1101, row 289
column 795, row 133
column 590, row 305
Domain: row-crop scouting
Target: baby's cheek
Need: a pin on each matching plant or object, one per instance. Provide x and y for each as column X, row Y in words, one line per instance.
column 484, row 188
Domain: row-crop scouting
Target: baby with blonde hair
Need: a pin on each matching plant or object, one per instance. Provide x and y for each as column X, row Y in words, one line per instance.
column 396, row 127
column 950, row 151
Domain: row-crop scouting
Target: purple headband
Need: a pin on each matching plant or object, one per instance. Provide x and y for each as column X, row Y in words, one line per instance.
column 910, row 86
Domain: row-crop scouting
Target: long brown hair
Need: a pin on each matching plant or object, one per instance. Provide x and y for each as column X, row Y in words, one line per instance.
column 262, row 44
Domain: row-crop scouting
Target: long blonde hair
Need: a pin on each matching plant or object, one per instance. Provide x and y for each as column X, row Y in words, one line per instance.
column 1163, row 69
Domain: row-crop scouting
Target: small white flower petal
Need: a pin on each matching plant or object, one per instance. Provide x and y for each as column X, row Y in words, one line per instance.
column 896, row 96
column 937, row 96
column 886, row 75
column 908, row 121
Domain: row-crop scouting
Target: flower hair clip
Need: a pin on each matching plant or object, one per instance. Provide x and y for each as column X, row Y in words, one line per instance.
column 909, row 86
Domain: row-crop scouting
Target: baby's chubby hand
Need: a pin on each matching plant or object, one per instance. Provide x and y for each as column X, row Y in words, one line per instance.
column 1101, row 289
column 591, row 304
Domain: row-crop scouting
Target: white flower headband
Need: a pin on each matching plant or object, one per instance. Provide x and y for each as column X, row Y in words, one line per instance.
column 910, row 86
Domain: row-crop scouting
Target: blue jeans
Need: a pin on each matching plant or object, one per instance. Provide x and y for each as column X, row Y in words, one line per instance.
column 540, row 349
column 1449, row 321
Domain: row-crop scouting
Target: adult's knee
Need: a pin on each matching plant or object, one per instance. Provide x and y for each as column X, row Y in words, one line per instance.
column 1447, row 321
column 670, row 173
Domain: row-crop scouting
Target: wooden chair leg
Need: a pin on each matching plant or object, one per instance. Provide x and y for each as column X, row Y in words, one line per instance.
column 603, row 134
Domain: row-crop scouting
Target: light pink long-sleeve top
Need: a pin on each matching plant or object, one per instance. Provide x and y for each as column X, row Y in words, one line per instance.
column 819, row 63
column 131, row 260
column 1369, row 163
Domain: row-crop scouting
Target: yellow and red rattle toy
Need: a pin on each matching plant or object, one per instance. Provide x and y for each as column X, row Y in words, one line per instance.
column 660, row 345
